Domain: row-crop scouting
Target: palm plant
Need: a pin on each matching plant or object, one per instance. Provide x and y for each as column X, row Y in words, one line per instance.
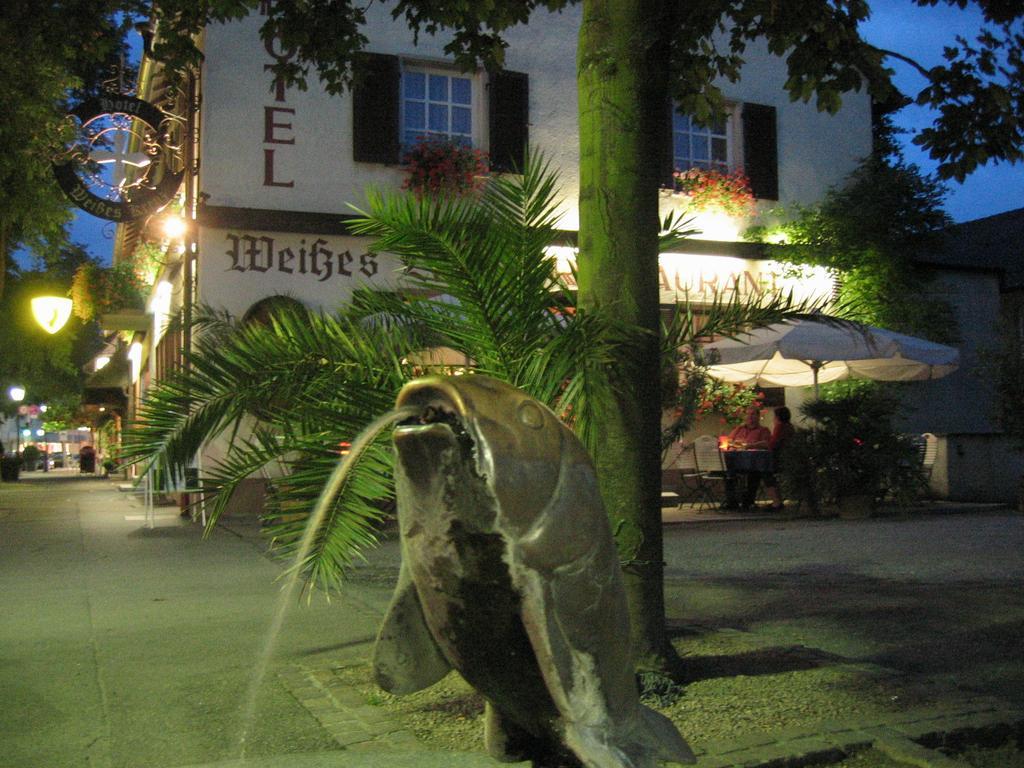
column 280, row 397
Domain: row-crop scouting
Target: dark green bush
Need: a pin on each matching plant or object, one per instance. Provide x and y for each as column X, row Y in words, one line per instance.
column 853, row 448
column 30, row 457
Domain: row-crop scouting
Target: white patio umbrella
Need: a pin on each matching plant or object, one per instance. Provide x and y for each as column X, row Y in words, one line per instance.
column 809, row 351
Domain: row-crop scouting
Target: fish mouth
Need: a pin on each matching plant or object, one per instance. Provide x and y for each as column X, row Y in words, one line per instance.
column 435, row 413
column 435, row 406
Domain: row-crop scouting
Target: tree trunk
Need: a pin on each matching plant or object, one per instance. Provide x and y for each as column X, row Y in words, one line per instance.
column 3, row 259
column 622, row 77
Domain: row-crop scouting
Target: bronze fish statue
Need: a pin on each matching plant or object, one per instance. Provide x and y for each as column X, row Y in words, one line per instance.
column 511, row 577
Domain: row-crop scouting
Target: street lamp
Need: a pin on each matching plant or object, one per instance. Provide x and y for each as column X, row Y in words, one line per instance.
column 51, row 312
column 17, row 394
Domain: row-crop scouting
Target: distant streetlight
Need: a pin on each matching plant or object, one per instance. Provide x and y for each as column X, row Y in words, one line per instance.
column 17, row 394
column 51, row 312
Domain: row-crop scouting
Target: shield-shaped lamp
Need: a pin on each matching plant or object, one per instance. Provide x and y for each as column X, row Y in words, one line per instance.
column 51, row 312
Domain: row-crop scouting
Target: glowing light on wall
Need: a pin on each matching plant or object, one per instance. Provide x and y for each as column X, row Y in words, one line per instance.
column 713, row 225
column 174, row 226
column 701, row 278
column 135, row 358
column 160, row 306
column 564, row 256
column 51, row 312
column 100, row 362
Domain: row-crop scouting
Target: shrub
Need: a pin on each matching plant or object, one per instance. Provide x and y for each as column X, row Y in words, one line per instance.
column 852, row 449
column 30, row 456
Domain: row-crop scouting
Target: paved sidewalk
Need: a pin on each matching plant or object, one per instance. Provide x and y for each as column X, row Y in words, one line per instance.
column 122, row 645
column 127, row 646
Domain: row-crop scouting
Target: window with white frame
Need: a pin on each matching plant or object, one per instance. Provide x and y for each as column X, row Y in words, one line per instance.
column 436, row 104
column 396, row 102
column 697, row 146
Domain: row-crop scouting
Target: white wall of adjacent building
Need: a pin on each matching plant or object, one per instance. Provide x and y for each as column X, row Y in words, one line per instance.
column 976, row 461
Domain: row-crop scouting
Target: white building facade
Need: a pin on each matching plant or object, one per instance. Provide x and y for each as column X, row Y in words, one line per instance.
column 280, row 168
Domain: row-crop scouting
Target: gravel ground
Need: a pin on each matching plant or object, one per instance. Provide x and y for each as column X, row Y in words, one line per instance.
column 449, row 714
column 786, row 625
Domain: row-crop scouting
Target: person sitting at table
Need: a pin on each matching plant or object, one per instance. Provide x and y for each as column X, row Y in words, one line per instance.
column 782, row 431
column 749, row 435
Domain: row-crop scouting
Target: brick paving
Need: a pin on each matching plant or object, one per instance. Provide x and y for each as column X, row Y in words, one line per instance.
column 343, row 712
column 354, row 723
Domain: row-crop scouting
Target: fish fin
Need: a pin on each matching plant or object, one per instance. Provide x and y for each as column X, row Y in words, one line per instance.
column 646, row 741
column 662, row 738
column 406, row 657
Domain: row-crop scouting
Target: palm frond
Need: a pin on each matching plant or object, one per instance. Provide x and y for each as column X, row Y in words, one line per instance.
column 269, row 373
column 352, row 518
column 487, row 256
column 302, row 465
column 676, row 229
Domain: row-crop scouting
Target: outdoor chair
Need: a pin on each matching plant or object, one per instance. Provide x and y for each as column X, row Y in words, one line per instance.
column 710, row 466
column 685, row 482
column 912, row 475
column 928, row 450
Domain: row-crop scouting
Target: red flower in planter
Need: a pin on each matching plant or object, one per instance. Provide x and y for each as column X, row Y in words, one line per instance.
column 445, row 167
column 711, row 190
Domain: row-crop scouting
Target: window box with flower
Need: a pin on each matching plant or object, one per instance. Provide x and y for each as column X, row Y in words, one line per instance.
column 97, row 290
column 714, row 190
column 442, row 166
column 728, row 401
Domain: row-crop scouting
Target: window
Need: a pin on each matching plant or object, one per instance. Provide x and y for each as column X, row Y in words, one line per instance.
column 746, row 139
column 696, row 146
column 396, row 102
column 436, row 104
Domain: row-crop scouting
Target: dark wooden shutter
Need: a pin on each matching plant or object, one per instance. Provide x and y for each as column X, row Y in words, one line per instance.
column 760, row 150
column 375, row 110
column 509, row 111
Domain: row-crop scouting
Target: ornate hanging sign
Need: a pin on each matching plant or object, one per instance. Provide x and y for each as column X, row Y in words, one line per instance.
column 125, row 161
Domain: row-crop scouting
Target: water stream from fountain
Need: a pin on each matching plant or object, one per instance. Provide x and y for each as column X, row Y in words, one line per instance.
column 294, row 576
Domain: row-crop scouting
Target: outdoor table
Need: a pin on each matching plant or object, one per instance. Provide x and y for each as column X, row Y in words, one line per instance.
column 750, row 460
